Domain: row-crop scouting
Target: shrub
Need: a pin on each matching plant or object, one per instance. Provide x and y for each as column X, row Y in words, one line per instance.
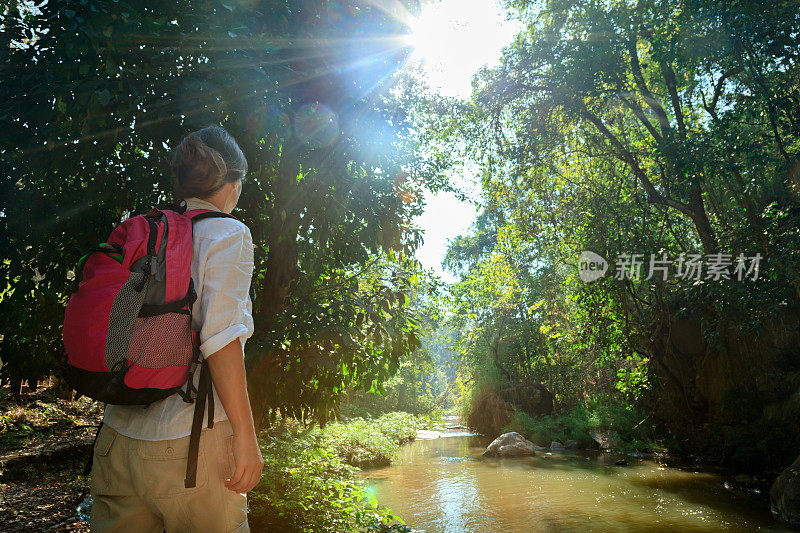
column 306, row 487
column 360, row 442
column 488, row 413
column 542, row 430
column 409, row 390
column 371, row 442
column 400, row 427
column 577, row 423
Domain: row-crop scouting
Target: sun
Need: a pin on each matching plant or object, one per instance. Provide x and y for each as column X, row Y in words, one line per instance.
column 453, row 39
column 432, row 35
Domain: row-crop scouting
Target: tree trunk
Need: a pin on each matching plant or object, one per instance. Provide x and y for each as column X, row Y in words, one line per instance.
column 62, row 390
column 280, row 274
column 16, row 387
column 703, row 227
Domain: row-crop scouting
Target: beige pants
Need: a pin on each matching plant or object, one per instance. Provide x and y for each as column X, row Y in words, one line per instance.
column 138, row 485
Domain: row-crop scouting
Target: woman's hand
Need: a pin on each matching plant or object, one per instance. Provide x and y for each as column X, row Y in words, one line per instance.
column 248, row 463
column 230, row 382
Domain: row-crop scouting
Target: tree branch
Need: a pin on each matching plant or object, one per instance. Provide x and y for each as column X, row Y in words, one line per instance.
column 653, row 196
column 652, row 103
column 669, row 78
column 718, row 88
column 639, row 113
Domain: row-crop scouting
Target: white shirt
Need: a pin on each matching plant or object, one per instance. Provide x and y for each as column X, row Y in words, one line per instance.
column 222, row 267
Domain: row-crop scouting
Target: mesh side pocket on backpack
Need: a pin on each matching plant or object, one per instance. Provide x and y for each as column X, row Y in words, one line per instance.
column 124, row 311
column 161, row 340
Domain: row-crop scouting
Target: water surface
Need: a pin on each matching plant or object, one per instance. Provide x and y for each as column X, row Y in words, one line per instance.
column 444, row 486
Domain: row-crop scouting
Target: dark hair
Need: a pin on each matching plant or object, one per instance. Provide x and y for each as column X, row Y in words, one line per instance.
column 204, row 161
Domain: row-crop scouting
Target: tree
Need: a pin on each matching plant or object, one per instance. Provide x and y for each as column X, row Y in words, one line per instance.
column 657, row 85
column 94, row 94
column 652, row 127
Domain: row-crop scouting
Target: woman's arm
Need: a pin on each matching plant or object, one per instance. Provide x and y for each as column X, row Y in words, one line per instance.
column 225, row 321
column 228, row 375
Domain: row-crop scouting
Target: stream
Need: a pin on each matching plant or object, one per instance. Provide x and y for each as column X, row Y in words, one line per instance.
column 440, row 484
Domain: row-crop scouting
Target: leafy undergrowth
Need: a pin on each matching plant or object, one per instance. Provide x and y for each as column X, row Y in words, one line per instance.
column 307, row 487
column 372, row 442
column 577, row 424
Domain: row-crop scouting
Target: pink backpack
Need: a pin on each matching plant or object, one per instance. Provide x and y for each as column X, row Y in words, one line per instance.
column 128, row 324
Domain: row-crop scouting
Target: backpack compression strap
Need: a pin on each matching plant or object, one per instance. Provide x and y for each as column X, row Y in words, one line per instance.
column 204, row 394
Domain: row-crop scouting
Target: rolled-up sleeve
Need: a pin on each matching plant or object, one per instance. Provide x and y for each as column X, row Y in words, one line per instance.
column 225, row 308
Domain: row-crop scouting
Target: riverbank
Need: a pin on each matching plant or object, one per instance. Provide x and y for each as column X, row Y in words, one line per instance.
column 624, row 433
column 312, row 480
column 310, row 483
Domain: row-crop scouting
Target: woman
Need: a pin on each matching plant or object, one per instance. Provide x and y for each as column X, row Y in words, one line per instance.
column 140, row 453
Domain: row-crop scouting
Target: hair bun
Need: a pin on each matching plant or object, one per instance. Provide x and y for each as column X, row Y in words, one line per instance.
column 199, row 169
column 204, row 161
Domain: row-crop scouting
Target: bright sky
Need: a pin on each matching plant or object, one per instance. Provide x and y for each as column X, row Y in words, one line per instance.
column 453, row 39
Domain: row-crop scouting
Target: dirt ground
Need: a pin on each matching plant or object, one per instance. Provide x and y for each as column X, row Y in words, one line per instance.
column 44, row 447
column 29, row 506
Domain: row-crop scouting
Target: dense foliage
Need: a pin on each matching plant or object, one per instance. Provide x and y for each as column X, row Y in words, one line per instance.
column 306, row 487
column 95, row 93
column 649, row 127
column 371, row 442
column 421, row 382
column 311, row 479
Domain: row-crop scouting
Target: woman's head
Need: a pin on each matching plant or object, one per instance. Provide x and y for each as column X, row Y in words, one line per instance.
column 208, row 163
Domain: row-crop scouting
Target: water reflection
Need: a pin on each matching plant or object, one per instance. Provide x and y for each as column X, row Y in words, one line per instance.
column 445, row 486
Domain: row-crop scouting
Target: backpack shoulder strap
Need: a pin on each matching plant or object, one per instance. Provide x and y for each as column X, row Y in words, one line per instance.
column 199, row 214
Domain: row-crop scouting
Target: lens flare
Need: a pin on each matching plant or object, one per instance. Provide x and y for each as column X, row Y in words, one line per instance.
column 269, row 123
column 316, row 125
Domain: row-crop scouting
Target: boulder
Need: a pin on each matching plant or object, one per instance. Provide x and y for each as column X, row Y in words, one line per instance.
column 607, row 439
column 510, row 444
column 572, row 445
column 555, row 445
column 785, row 495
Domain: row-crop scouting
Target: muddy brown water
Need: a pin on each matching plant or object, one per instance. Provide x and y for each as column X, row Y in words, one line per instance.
column 443, row 485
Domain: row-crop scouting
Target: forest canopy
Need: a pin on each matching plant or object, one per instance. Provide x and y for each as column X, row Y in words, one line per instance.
column 96, row 93
column 670, row 130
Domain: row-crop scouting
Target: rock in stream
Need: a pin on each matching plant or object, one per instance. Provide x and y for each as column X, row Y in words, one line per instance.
column 510, row 444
